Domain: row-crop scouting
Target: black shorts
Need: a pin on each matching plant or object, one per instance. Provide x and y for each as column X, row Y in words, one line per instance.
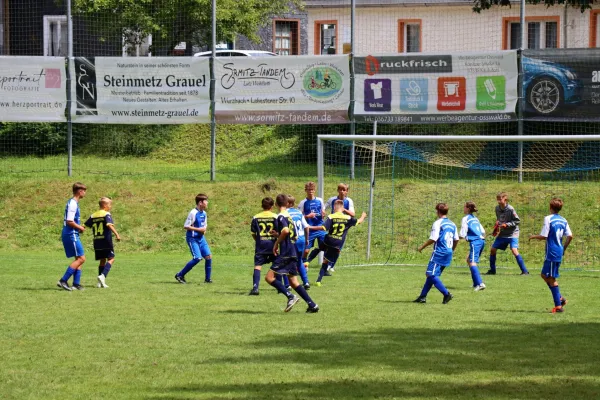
column 285, row 266
column 262, row 259
column 105, row 253
column 331, row 255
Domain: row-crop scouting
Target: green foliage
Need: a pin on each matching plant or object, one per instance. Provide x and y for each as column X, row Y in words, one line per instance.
column 39, row 139
column 582, row 5
column 119, row 140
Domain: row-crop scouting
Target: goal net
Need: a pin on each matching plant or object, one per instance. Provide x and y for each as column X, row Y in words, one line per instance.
column 398, row 180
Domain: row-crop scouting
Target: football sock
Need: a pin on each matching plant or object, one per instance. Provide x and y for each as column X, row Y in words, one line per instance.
column 555, row 295
column 427, row 286
column 286, row 281
column 493, row 263
column 207, row 269
column 437, row 282
column 256, row 278
column 70, row 271
column 302, row 292
column 188, row 267
column 475, row 276
column 521, row 263
column 77, row 277
column 302, row 272
column 106, row 269
column 100, row 269
column 280, row 288
column 313, row 254
column 322, row 272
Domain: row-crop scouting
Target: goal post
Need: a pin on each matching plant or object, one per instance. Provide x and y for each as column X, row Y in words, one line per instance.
column 398, row 179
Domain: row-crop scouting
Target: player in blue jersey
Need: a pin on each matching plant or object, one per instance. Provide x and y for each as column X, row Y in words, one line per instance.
column 261, row 226
column 507, row 231
column 196, row 225
column 444, row 238
column 313, row 209
column 337, row 226
column 301, row 240
column 472, row 231
column 286, row 261
column 70, row 237
column 103, row 228
column 342, row 190
column 554, row 229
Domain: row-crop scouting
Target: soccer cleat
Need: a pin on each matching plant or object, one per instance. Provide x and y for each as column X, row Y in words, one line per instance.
column 98, row 285
column 480, row 287
column 253, row 292
column 327, row 273
column 563, row 302
column 288, row 288
column 447, row 298
column 291, row 302
column 78, row 287
column 524, row 273
column 313, row 310
column 64, row 285
column 318, row 284
column 208, row 281
column 490, row 272
column 102, row 281
column 420, row 299
column 180, row 279
column 330, row 269
column 557, row 310
column 306, row 286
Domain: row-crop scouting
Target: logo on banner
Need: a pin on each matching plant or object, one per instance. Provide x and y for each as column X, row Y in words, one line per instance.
column 378, row 95
column 452, row 93
column 85, row 86
column 413, row 64
column 491, row 93
column 261, row 75
column 27, row 82
column 53, row 78
column 414, row 94
column 322, row 83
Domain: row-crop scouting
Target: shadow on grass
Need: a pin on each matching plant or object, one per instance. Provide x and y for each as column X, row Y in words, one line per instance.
column 242, row 312
column 37, row 289
column 557, row 360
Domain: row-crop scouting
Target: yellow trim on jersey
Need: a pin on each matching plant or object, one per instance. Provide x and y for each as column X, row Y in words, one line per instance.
column 100, row 214
column 266, row 214
column 339, row 215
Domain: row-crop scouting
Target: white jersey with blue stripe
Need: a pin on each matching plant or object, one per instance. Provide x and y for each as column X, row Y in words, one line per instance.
column 299, row 221
column 348, row 203
column 443, row 233
column 71, row 214
column 196, row 219
column 555, row 227
column 316, row 206
column 471, row 229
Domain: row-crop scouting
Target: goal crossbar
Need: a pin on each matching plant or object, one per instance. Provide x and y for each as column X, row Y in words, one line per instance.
column 456, row 138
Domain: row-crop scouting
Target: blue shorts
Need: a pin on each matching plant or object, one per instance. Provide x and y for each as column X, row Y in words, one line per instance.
column 503, row 243
column 262, row 259
column 475, row 250
column 550, row 269
column 285, row 266
column 72, row 245
column 331, row 255
column 434, row 269
column 198, row 247
column 319, row 235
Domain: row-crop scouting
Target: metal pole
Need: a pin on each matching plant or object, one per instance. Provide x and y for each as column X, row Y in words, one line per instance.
column 213, row 122
column 320, row 168
column 352, row 86
column 520, row 126
column 69, row 96
column 371, row 192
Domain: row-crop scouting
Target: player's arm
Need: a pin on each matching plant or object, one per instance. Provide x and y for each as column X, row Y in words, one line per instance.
column 316, row 228
column 456, row 240
column 282, row 235
column 114, row 230
column 537, row 237
column 361, row 219
column 464, row 228
column 71, row 211
column 429, row 242
column 350, row 211
column 569, row 235
column 545, row 231
column 73, row 225
column 514, row 221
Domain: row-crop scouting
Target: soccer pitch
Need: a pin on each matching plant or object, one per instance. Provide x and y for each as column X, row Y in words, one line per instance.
column 147, row 337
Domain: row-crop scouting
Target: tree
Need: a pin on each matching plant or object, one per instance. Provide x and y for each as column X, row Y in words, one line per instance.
column 174, row 21
column 583, row 5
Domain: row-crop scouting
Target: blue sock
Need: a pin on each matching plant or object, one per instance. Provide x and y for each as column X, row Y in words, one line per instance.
column 70, row 271
column 313, row 254
column 302, row 292
column 302, row 272
column 427, row 286
column 286, row 281
column 77, row 277
column 188, row 267
column 521, row 264
column 322, row 272
column 437, row 282
column 280, row 288
column 493, row 263
column 475, row 276
column 256, row 278
column 555, row 295
column 207, row 269
column 106, row 269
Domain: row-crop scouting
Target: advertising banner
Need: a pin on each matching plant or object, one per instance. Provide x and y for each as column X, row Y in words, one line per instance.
column 33, row 89
column 561, row 84
column 157, row 90
column 436, row 88
column 282, row 90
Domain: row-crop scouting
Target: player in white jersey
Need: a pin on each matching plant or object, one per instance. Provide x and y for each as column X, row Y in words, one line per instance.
column 472, row 231
column 72, row 227
column 302, row 240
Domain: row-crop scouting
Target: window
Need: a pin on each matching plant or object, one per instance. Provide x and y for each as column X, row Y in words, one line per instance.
column 286, row 35
column 134, row 45
column 326, row 37
column 409, row 35
column 55, row 35
column 1, row 27
column 594, row 28
column 540, row 33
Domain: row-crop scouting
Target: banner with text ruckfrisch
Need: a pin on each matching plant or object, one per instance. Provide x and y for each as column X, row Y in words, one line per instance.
column 32, row 89
column 436, row 88
column 157, row 90
column 282, row 90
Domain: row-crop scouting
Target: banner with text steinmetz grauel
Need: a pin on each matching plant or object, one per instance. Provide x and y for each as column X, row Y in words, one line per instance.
column 32, row 89
column 157, row 90
column 436, row 88
column 282, row 90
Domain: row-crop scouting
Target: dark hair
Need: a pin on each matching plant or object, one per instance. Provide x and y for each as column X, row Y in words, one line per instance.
column 556, row 204
column 310, row 185
column 442, row 208
column 201, row 197
column 77, row 186
column 291, row 200
column 342, row 186
column 267, row 203
column 471, row 206
column 281, row 200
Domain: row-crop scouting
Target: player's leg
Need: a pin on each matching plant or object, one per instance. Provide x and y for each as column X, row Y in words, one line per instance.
column 499, row 243
column 194, row 247
column 319, row 235
column 312, row 306
column 549, row 275
column 255, row 280
column 73, row 248
column 514, row 247
column 475, row 250
column 301, row 268
column 272, row 279
column 78, row 264
column 427, row 286
column 108, row 261
column 205, row 253
column 436, row 271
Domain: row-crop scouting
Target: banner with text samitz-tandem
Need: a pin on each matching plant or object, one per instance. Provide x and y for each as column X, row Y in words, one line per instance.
column 436, row 88
column 32, row 89
column 282, row 90
column 157, row 90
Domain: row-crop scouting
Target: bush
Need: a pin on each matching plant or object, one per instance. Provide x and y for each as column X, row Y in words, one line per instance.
column 27, row 139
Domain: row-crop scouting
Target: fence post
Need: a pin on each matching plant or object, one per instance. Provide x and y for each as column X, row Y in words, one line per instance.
column 520, row 126
column 69, row 99
column 213, row 121
column 352, row 85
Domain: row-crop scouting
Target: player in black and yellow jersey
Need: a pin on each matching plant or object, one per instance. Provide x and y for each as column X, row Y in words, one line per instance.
column 262, row 225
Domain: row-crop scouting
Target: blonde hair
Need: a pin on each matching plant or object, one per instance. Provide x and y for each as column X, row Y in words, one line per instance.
column 104, row 201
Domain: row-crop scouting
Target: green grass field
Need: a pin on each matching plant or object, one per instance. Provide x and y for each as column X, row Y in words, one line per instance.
column 147, row 337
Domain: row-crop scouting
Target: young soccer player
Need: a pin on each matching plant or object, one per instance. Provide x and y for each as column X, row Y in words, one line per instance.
column 103, row 228
column 472, row 231
column 554, row 229
column 301, row 240
column 342, row 190
column 313, row 209
column 196, row 225
column 444, row 238
column 262, row 225
column 70, row 237
column 508, row 233
column 337, row 226
column 286, row 262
